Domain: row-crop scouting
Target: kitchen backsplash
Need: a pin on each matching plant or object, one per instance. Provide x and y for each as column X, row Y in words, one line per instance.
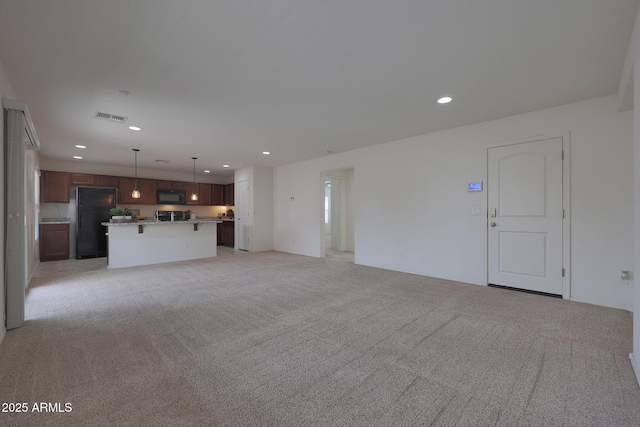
column 68, row 210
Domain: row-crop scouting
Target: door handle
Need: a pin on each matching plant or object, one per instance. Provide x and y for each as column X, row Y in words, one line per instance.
column 492, row 224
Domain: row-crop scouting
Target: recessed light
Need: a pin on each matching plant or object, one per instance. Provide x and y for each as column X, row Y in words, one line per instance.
column 207, row 171
column 445, row 100
column 134, row 128
column 77, row 157
column 225, row 166
column 81, row 146
column 266, row 152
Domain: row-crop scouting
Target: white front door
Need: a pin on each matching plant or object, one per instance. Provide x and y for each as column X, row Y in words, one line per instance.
column 526, row 216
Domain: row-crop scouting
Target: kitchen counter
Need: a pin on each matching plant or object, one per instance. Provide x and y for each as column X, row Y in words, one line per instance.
column 154, row 222
column 152, row 242
column 55, row 220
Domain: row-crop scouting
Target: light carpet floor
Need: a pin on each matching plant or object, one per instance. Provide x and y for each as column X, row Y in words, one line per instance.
column 273, row 339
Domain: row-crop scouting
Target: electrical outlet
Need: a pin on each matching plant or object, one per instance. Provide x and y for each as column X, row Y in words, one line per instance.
column 624, row 277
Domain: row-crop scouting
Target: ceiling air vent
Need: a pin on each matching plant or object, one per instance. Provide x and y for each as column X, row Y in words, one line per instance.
column 109, row 117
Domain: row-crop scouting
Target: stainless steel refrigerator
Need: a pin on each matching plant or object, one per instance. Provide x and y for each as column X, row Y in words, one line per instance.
column 93, row 206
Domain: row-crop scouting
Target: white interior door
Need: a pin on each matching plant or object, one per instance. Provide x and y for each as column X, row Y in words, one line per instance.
column 526, row 216
column 243, row 207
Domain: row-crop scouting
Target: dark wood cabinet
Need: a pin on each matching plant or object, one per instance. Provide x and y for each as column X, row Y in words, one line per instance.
column 228, row 233
column 83, row 179
column 88, row 180
column 54, row 187
column 54, row 242
column 229, row 198
column 125, row 187
column 202, row 190
column 106, row 181
column 147, row 189
column 171, row 185
column 217, row 194
column 204, row 194
column 190, row 189
column 219, row 235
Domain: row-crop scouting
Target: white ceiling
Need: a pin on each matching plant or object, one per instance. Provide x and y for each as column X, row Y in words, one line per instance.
column 225, row 80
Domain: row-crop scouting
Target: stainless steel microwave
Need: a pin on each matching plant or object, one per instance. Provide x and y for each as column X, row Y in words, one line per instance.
column 171, row 197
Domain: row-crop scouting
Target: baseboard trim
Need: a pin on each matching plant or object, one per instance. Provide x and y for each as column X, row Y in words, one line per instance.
column 3, row 332
column 635, row 366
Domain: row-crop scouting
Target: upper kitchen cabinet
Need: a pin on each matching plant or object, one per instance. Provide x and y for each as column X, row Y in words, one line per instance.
column 202, row 190
column 217, row 194
column 83, row 179
column 106, row 181
column 171, row 185
column 54, row 187
column 229, row 198
column 147, row 189
column 204, row 194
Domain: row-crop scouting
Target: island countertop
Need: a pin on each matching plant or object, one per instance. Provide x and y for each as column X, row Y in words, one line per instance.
column 55, row 220
column 144, row 242
column 154, row 222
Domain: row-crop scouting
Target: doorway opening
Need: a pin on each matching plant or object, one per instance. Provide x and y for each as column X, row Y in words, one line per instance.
column 337, row 228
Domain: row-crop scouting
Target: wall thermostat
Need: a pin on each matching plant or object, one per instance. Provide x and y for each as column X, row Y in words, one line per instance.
column 474, row 186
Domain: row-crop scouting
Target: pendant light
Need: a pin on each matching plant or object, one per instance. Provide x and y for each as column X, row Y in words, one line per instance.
column 135, row 194
column 194, row 195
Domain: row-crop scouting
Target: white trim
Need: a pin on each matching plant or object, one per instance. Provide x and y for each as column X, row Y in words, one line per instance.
column 566, row 204
column 635, row 366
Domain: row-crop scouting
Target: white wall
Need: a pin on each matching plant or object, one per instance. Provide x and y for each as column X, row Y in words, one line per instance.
column 412, row 212
column 5, row 92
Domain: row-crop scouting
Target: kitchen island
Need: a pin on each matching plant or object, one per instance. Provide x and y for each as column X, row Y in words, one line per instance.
column 152, row 242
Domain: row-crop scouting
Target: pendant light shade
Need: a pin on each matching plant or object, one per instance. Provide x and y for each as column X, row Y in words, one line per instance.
column 194, row 195
column 135, row 194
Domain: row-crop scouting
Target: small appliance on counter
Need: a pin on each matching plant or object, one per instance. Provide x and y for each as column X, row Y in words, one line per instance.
column 167, row 215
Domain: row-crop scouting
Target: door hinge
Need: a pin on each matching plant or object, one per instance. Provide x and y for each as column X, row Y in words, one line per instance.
column 562, row 154
column 562, row 213
column 563, row 272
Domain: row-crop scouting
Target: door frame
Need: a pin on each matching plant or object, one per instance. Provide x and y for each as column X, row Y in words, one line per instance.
column 566, row 204
column 341, row 225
